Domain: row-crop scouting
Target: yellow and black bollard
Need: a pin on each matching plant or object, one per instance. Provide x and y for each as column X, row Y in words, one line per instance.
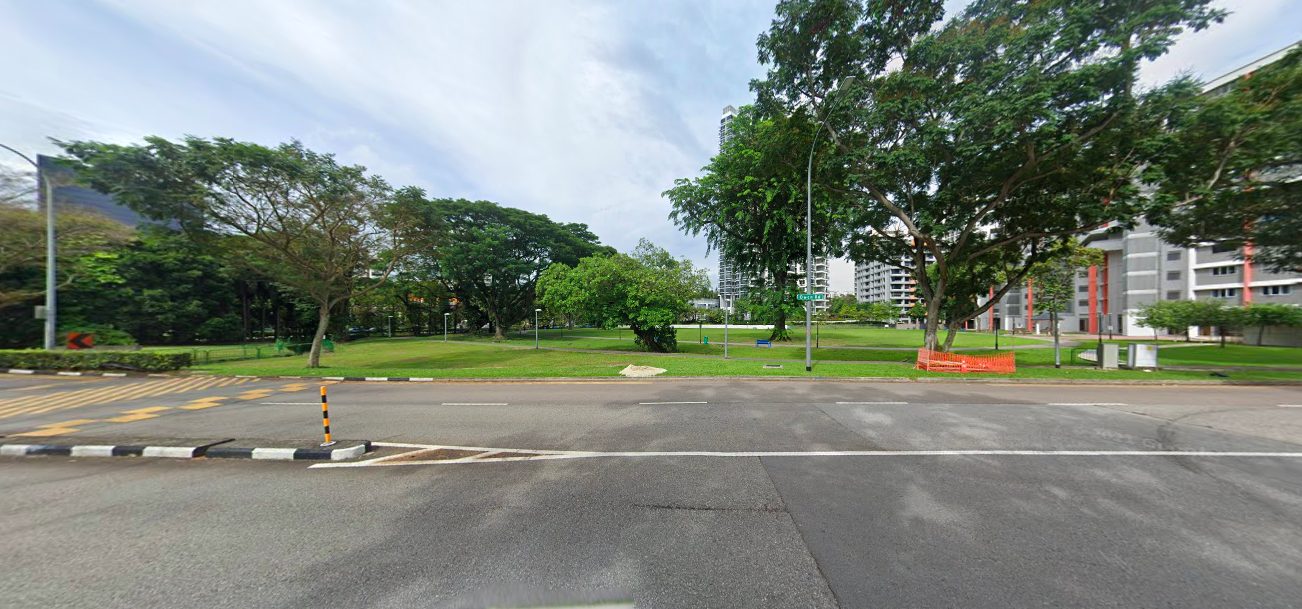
column 325, row 417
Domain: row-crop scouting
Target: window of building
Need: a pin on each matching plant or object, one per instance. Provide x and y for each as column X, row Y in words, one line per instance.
column 1172, row 275
column 1083, row 274
column 1083, row 303
column 1173, row 295
column 1175, row 255
column 1276, row 290
column 1221, row 248
column 1082, row 288
column 1225, row 270
column 1225, row 293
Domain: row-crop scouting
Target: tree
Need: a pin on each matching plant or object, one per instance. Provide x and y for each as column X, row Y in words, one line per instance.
column 750, row 205
column 1053, row 285
column 985, row 141
column 1262, row 316
column 1166, row 314
column 159, row 288
column 491, row 256
column 23, row 253
column 314, row 225
column 17, row 188
column 1227, row 166
column 647, row 291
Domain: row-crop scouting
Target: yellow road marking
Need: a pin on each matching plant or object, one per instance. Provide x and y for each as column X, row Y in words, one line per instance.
column 103, row 395
column 208, row 402
column 57, row 429
column 255, row 394
column 139, row 414
column 50, row 431
column 294, row 387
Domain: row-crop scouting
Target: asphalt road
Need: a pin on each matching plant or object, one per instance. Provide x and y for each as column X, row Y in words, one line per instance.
column 652, row 503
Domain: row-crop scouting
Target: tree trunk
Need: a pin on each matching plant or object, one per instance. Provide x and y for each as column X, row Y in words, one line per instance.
column 1222, row 330
column 951, row 332
column 323, row 321
column 931, row 326
column 780, row 325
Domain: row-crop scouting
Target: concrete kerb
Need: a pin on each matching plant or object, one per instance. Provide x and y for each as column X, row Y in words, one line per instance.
column 226, row 448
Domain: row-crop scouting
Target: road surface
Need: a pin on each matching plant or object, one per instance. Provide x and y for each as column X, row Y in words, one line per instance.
column 662, row 493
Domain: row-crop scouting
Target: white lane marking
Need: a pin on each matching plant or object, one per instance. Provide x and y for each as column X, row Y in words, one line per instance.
column 1290, row 405
column 869, row 403
column 539, row 455
column 1088, row 404
column 289, row 403
column 475, row 404
column 659, row 403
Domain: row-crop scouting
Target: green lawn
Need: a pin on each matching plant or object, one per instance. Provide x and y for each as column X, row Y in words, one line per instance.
column 430, row 357
column 837, row 335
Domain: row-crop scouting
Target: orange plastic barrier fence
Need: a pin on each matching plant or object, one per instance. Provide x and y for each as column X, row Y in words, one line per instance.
column 940, row 361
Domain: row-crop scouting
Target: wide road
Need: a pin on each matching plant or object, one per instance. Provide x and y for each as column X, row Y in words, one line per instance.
column 661, row 493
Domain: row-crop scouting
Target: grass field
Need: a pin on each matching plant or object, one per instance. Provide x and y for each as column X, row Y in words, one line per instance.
column 834, row 335
column 430, row 357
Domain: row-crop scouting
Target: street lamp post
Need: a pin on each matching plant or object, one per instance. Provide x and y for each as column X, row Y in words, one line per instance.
column 535, row 327
column 445, row 327
column 809, row 238
column 50, row 297
column 726, row 311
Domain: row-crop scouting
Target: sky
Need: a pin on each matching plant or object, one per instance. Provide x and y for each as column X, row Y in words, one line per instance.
column 585, row 110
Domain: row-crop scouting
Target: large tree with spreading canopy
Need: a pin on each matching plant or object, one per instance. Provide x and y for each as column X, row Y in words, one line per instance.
column 986, row 140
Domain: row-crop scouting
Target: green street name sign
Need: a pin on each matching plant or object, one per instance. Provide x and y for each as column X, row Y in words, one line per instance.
column 814, row 296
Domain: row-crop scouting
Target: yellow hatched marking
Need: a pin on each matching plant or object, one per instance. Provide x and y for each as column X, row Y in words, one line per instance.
column 119, row 394
column 105, row 394
column 50, row 431
column 139, row 414
column 57, row 429
column 254, row 394
column 202, row 403
column 294, row 387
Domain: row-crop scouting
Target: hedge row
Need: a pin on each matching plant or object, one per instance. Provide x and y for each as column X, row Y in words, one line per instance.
column 93, row 360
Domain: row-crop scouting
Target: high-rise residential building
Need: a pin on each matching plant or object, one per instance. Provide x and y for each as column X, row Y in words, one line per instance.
column 735, row 281
column 1140, row 269
column 876, row 281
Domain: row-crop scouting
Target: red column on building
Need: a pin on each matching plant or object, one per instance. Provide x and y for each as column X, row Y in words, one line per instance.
column 1247, row 273
column 1030, row 306
column 1094, row 299
column 992, row 308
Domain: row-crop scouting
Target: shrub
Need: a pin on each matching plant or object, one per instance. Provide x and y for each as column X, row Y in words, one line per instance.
column 104, row 335
column 93, row 360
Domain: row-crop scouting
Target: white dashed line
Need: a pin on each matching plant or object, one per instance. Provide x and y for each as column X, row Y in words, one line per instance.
column 475, row 404
column 1088, row 404
column 1290, row 405
column 870, row 403
column 661, row 403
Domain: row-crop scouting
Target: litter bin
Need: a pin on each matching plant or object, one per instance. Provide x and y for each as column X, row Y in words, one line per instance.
column 1141, row 355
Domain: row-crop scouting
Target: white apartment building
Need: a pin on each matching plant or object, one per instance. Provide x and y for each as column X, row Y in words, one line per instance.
column 1140, row 268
